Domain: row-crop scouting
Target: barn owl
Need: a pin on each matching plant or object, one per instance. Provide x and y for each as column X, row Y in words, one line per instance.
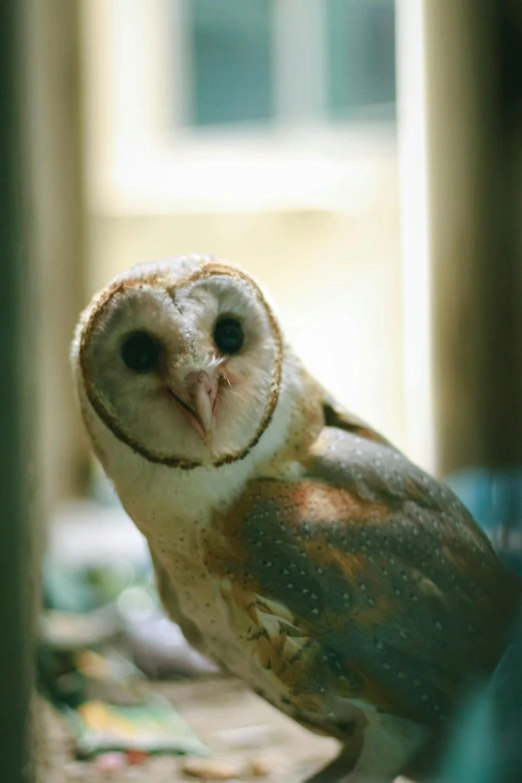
column 291, row 542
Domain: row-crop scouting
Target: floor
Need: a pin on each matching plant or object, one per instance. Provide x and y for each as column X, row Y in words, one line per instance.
column 249, row 741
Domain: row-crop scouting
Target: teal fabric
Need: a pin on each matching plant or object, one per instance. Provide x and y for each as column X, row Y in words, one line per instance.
column 494, row 498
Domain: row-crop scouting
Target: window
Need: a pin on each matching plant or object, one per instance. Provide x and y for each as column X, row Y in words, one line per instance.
column 231, row 45
column 247, row 60
column 237, row 104
column 361, row 43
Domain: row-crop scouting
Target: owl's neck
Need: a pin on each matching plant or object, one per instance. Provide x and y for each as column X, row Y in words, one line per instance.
column 155, row 495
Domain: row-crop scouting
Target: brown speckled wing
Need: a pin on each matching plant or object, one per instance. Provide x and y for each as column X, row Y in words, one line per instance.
column 366, row 579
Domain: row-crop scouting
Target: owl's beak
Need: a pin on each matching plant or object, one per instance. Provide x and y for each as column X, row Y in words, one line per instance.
column 198, row 402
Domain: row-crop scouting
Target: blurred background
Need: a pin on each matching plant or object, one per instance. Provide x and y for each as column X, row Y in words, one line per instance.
column 362, row 158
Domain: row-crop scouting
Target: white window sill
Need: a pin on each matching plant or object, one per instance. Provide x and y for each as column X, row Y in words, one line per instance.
column 245, row 171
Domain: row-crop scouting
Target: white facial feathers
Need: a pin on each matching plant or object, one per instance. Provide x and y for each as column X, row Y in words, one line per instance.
column 182, row 362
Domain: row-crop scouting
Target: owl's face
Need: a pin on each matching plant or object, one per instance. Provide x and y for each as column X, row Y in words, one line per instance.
column 182, row 361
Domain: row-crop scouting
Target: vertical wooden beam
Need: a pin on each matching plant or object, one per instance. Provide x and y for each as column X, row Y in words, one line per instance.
column 16, row 361
column 475, row 260
column 41, row 291
column 54, row 100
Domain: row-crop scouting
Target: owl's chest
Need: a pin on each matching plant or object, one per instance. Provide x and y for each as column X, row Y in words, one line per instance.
column 198, row 596
column 195, row 591
column 179, row 553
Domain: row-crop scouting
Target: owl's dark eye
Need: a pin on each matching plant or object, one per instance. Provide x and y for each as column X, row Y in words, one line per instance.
column 140, row 352
column 228, row 335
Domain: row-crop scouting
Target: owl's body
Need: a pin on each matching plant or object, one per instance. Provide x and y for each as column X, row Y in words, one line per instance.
column 291, row 543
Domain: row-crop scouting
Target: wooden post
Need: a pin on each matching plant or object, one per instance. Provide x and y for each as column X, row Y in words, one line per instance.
column 54, row 138
column 41, row 292
column 16, row 426
column 473, row 49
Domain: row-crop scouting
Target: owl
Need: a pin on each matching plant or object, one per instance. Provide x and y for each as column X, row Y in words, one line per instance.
column 292, row 543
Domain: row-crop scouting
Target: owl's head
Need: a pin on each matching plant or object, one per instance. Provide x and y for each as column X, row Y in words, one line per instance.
column 182, row 361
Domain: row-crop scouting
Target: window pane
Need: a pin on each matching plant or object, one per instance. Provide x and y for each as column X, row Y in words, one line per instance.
column 231, row 44
column 361, row 56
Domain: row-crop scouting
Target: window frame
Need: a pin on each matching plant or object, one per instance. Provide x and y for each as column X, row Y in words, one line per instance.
column 142, row 155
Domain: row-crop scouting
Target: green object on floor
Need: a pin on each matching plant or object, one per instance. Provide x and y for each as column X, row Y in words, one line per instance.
column 151, row 727
column 104, row 697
